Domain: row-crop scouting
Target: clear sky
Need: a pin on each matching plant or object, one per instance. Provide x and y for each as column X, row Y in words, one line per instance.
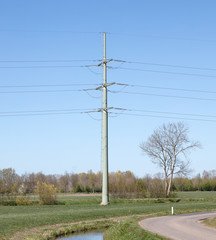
column 170, row 52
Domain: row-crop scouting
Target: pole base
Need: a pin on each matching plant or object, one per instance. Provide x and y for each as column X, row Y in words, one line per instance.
column 104, row 203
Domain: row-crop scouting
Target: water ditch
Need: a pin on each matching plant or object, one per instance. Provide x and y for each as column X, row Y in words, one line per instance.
column 84, row 236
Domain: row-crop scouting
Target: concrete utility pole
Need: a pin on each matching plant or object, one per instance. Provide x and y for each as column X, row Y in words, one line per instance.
column 105, row 180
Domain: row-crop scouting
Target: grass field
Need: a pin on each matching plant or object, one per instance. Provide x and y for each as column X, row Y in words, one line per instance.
column 82, row 208
column 197, row 195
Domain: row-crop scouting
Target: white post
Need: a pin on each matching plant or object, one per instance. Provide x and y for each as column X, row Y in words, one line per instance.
column 172, row 211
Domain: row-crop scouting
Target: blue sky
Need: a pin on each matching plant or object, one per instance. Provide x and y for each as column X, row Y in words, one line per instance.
column 149, row 36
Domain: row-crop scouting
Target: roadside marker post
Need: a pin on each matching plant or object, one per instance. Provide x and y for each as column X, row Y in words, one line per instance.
column 172, row 210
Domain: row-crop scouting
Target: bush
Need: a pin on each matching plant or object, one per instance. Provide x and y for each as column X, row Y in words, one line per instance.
column 22, row 201
column 47, row 193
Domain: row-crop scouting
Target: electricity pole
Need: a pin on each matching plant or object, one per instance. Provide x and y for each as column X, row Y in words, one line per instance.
column 105, row 177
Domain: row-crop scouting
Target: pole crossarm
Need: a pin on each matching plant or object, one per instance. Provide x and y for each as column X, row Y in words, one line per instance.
column 105, row 109
column 105, row 85
column 104, row 61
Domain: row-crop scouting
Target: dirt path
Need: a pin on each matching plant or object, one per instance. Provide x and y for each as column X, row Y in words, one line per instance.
column 181, row 227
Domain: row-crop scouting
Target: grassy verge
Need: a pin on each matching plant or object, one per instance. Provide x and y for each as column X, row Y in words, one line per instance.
column 51, row 232
column 129, row 229
column 15, row 219
column 210, row 222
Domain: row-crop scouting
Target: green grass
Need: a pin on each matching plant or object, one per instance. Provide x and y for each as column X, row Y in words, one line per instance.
column 129, row 229
column 79, row 208
column 79, row 199
column 210, row 222
column 193, row 195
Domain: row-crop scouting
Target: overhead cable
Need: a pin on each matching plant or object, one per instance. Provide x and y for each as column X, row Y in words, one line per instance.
column 47, row 91
column 172, row 113
column 48, row 85
column 161, row 95
column 166, row 88
column 56, row 66
column 47, row 61
column 161, row 116
column 170, row 65
column 164, row 72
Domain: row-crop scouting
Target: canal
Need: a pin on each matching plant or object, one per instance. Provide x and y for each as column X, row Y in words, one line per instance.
column 84, row 236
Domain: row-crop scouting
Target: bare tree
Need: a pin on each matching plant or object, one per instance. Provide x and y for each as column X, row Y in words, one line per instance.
column 168, row 147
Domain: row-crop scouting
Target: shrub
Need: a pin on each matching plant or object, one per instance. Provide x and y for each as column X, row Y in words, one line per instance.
column 22, row 201
column 47, row 193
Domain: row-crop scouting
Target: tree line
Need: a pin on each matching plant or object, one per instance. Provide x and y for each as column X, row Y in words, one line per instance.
column 121, row 184
column 167, row 147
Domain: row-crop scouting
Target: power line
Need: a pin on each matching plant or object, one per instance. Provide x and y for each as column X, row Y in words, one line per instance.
column 170, row 96
column 170, row 65
column 88, row 111
column 164, row 72
column 47, row 61
column 48, row 85
column 47, row 91
column 166, row 88
column 47, row 31
column 120, row 84
column 173, row 113
column 46, row 112
column 99, row 60
column 160, row 116
column 110, row 67
column 57, row 66
column 38, row 114
column 50, row 110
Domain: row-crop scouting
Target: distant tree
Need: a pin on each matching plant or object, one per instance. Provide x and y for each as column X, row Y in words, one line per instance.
column 123, row 184
column 168, row 148
column 140, row 188
column 206, row 185
column 92, row 180
column 52, row 179
column 64, row 182
column 197, row 182
column 156, row 188
column 9, row 181
column 32, row 181
column 78, row 188
column 40, row 177
column 73, row 180
column 98, row 181
column 83, row 179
